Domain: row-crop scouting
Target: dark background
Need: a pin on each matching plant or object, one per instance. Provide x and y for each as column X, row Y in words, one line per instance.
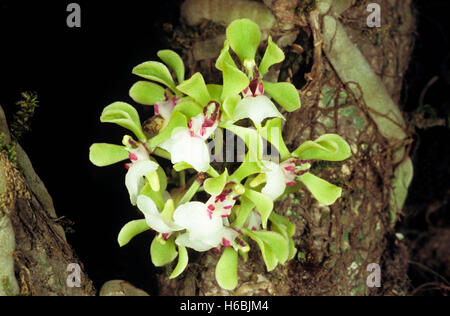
column 77, row 72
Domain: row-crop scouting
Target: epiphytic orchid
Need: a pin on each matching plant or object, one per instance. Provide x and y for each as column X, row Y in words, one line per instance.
column 240, row 205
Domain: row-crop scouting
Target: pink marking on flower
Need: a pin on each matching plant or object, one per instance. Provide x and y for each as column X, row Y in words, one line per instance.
column 291, row 183
column 166, row 236
column 217, row 250
column 254, row 86
column 226, row 242
column 211, row 208
column 225, row 216
column 228, row 207
column 190, row 124
column 254, row 228
column 261, row 88
column 300, row 173
column 156, row 106
column 127, row 166
column 290, row 169
column 133, row 157
column 132, row 143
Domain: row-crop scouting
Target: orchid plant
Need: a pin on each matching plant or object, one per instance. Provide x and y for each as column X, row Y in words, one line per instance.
column 239, row 206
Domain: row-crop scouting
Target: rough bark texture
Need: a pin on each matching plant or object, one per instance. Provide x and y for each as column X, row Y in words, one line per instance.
column 36, row 245
column 337, row 243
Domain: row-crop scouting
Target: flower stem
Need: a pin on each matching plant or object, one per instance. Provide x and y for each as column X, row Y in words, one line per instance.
column 190, row 192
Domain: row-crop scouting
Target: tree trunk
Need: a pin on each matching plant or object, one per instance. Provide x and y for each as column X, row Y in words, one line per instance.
column 350, row 79
column 35, row 258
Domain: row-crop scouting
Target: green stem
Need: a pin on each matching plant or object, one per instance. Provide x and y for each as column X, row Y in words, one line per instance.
column 190, row 192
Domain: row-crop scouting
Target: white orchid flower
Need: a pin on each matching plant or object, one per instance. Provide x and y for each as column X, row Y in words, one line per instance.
column 188, row 145
column 160, row 222
column 141, row 166
column 203, row 228
column 255, row 105
column 278, row 176
column 165, row 108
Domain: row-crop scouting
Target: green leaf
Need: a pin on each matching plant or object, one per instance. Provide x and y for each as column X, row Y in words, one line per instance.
column 155, row 71
column 323, row 191
column 183, row 260
column 273, row 133
column 131, row 230
column 284, row 93
column 174, row 61
column 330, row 147
column 275, row 241
column 234, row 81
column 196, row 88
column 147, row 93
column 189, row 108
column 264, row 204
column 244, row 211
column 250, row 137
column 215, row 91
column 178, row 120
column 244, row 36
column 107, row 154
column 163, row 254
column 125, row 115
column 272, row 56
column 215, row 186
column 226, row 270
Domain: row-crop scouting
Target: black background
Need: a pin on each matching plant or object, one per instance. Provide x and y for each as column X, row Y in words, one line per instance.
column 77, row 72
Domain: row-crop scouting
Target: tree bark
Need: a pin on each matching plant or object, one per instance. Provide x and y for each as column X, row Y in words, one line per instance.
column 336, row 244
column 34, row 253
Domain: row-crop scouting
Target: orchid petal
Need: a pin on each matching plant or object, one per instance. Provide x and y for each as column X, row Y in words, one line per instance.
column 256, row 108
column 275, row 180
column 174, row 61
column 191, row 150
column 153, row 217
column 285, row 94
column 226, row 269
column 147, row 93
column 163, row 254
column 330, row 147
column 195, row 87
column 130, row 230
column 244, row 36
column 183, row 260
column 134, row 179
column 155, row 71
column 196, row 244
column 272, row 56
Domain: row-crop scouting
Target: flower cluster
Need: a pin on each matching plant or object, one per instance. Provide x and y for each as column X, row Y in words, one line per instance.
column 239, row 206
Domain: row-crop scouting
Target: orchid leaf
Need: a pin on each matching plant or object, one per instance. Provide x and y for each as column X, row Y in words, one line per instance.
column 147, row 93
column 107, row 154
column 183, row 259
column 178, row 120
column 155, row 71
column 272, row 56
column 195, row 87
column 264, row 204
column 163, row 254
column 272, row 132
column 330, row 147
column 284, row 93
column 174, row 61
column 323, row 191
column 244, row 36
column 131, row 230
column 215, row 186
column 234, row 81
column 124, row 115
column 226, row 269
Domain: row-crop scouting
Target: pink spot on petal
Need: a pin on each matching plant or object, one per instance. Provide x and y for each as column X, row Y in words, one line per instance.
column 217, row 250
column 226, row 242
column 127, row 166
column 228, row 207
column 254, row 228
column 290, row 169
column 211, row 207
column 166, row 236
column 156, row 109
column 133, row 157
column 291, row 183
